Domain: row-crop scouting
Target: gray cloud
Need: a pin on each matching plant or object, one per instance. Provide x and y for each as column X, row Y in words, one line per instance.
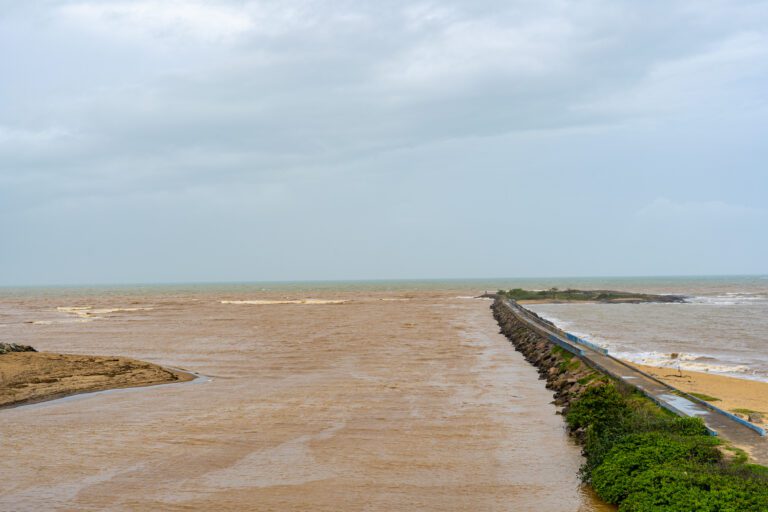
column 331, row 120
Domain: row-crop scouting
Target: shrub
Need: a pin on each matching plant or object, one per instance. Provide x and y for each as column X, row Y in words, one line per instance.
column 643, row 458
column 599, row 407
column 687, row 488
column 613, row 479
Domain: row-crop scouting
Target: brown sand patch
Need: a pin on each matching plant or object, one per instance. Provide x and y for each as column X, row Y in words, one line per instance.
column 734, row 394
column 27, row 377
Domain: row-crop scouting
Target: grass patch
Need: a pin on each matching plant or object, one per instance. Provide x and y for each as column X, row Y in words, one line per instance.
column 706, row 398
column 739, row 455
column 569, row 365
column 745, row 411
column 569, row 362
column 588, row 378
column 562, row 353
column 643, row 458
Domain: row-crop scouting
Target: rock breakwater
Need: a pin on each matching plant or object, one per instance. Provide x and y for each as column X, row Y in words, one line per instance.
column 565, row 374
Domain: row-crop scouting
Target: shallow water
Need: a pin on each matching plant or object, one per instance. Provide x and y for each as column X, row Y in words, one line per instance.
column 412, row 404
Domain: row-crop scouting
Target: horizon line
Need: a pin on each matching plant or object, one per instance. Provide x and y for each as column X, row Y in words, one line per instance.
column 366, row 280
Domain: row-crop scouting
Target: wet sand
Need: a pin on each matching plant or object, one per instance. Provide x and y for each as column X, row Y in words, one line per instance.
column 372, row 404
column 735, row 395
column 29, row 377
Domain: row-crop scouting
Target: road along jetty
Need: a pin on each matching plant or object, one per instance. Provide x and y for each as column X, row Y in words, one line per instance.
column 570, row 365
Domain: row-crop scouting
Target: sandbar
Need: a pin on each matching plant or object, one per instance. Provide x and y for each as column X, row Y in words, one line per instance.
column 30, row 377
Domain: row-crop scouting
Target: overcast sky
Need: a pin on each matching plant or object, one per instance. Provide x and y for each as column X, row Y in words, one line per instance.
column 172, row 141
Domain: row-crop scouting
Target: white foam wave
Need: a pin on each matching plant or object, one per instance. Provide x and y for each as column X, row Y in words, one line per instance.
column 562, row 324
column 730, row 299
column 90, row 313
column 693, row 362
column 77, row 320
column 299, row 301
column 565, row 326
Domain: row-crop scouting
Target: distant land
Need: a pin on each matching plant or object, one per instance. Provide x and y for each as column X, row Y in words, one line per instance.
column 571, row 295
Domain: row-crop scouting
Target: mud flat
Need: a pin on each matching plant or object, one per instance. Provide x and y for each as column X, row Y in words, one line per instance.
column 30, row 377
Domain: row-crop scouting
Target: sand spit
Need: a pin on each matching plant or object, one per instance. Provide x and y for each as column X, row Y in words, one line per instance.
column 296, row 301
column 29, row 377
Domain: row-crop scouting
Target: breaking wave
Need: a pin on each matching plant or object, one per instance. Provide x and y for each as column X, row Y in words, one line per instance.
column 298, row 301
column 88, row 313
column 730, row 299
column 695, row 363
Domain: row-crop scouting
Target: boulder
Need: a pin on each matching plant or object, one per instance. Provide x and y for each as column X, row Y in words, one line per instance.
column 6, row 348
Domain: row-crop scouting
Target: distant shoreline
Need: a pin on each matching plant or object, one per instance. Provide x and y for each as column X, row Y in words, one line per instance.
column 555, row 295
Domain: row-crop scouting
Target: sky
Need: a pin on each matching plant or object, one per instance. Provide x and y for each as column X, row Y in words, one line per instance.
column 178, row 141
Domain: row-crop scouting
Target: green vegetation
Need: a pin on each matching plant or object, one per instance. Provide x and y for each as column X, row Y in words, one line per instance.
column 568, row 362
column 589, row 378
column 739, row 455
column 560, row 351
column 643, row 458
column 556, row 294
column 745, row 411
column 706, row 398
column 700, row 396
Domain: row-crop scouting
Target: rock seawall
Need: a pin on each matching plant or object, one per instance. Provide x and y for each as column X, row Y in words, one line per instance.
column 566, row 374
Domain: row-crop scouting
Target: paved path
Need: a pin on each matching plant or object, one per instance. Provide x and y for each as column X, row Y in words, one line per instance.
column 659, row 392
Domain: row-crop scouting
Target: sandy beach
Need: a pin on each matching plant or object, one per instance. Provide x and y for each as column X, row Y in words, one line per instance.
column 741, row 396
column 29, row 377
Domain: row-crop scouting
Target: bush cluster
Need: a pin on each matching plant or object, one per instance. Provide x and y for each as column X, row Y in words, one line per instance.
column 569, row 294
column 643, row 458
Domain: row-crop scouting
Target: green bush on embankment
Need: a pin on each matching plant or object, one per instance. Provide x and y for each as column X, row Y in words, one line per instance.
column 643, row 458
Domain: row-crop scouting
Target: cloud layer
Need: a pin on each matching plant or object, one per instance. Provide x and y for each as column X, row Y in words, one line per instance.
column 311, row 136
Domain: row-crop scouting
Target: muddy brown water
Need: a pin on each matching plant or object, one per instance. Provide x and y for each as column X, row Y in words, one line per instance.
column 373, row 404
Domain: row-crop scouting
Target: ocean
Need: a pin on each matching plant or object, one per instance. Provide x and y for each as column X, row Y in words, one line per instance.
column 386, row 395
column 315, row 396
column 721, row 329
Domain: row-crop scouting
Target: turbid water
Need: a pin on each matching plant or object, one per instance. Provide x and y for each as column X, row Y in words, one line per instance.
column 723, row 328
column 391, row 400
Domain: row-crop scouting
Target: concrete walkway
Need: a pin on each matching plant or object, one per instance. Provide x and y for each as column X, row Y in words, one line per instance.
column 661, row 393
